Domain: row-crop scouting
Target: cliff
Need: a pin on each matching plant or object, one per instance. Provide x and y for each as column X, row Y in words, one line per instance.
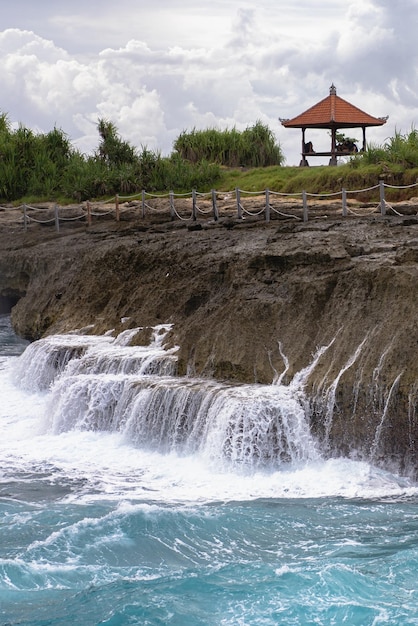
column 249, row 302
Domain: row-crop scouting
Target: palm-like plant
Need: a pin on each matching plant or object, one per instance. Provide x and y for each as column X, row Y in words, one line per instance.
column 112, row 149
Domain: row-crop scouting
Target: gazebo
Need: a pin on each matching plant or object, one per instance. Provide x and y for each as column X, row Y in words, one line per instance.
column 332, row 113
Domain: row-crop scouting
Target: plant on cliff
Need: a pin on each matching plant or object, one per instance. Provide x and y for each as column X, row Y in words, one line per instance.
column 401, row 149
column 30, row 163
column 253, row 147
column 113, row 150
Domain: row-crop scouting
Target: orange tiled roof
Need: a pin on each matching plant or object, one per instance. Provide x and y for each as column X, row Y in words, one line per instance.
column 333, row 111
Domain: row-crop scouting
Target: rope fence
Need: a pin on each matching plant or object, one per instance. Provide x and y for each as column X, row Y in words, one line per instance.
column 213, row 205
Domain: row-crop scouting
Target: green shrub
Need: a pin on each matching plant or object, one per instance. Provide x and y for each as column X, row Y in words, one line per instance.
column 253, row 147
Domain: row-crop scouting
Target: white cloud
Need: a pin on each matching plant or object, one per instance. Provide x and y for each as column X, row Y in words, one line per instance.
column 156, row 69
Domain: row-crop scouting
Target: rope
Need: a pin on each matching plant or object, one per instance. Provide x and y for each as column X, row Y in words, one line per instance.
column 253, row 214
column 151, row 208
column 362, row 190
column 322, row 195
column 136, row 195
column 284, row 214
column 110, row 200
column 178, row 195
column 369, row 212
column 71, row 219
column 12, row 208
column 155, row 195
column 184, row 219
column 390, row 207
column 34, row 208
column 32, row 219
column 202, row 211
column 400, row 186
column 251, row 193
column 279, row 193
column 101, row 214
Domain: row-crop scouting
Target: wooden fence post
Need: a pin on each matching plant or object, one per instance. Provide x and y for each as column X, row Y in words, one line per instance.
column 57, row 221
column 143, row 203
column 117, row 207
column 25, row 217
column 172, row 211
column 194, row 208
column 88, row 214
column 267, row 205
column 214, row 206
column 344, row 201
column 305, row 206
column 239, row 207
column 382, row 197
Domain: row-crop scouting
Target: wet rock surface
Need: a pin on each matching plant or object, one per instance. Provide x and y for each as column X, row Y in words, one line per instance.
column 250, row 301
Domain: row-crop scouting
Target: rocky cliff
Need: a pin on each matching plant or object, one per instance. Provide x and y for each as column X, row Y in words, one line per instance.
column 334, row 298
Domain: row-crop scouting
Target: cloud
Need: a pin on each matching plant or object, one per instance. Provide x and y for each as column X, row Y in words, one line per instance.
column 201, row 65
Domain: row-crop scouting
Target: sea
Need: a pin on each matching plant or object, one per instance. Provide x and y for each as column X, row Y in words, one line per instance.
column 132, row 495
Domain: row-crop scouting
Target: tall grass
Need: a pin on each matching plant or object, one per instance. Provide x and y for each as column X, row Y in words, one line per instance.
column 253, row 147
column 47, row 166
column 402, row 149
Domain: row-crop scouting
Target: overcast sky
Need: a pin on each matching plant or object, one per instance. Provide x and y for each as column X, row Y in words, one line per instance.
column 158, row 67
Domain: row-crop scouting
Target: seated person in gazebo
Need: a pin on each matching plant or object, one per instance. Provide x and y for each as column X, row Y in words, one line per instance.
column 308, row 147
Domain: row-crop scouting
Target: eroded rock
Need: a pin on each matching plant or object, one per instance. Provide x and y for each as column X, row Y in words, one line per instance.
column 250, row 302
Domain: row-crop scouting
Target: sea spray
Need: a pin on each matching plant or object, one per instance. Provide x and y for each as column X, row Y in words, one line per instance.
column 111, row 386
column 104, row 383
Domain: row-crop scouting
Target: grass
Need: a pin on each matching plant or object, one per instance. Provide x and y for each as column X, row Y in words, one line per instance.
column 322, row 179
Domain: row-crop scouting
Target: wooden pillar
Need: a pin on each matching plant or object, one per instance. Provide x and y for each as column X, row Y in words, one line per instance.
column 303, row 162
column 117, row 208
column 57, row 220
column 344, row 201
column 172, row 209
column 239, row 207
column 382, row 196
column 267, row 211
column 333, row 160
column 305, row 206
column 364, row 139
column 214, row 206
column 143, row 202
column 194, row 205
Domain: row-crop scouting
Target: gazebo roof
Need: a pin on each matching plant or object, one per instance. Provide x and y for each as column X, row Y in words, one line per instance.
column 333, row 112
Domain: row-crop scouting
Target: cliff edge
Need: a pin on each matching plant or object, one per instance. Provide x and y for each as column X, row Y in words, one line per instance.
column 333, row 299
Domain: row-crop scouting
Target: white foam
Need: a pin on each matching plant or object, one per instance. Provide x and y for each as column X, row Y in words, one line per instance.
column 107, row 466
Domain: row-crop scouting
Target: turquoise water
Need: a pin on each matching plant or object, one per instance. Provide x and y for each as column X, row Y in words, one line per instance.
column 111, row 515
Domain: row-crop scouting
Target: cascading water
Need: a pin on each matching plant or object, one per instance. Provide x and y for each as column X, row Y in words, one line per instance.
column 103, row 384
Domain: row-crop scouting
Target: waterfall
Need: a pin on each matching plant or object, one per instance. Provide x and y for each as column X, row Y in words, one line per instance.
column 46, row 360
column 378, row 433
column 330, row 393
column 103, row 383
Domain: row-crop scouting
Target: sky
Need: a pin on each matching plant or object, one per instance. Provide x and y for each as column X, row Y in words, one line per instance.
column 156, row 68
